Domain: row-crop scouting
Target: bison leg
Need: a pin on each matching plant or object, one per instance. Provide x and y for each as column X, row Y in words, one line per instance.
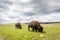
column 20, row 27
column 36, row 28
column 33, row 29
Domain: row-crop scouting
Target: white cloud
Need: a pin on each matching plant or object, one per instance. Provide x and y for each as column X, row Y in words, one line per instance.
column 27, row 9
column 24, row 1
column 40, row 11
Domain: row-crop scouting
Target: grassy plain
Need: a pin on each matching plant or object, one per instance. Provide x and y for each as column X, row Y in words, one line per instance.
column 9, row 32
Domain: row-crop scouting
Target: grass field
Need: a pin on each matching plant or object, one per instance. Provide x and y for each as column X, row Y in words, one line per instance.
column 9, row 32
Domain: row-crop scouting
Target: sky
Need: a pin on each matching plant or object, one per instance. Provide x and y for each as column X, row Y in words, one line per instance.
column 28, row 10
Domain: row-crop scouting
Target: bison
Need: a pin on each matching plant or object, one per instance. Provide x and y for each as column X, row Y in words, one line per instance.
column 18, row 25
column 35, row 25
column 40, row 29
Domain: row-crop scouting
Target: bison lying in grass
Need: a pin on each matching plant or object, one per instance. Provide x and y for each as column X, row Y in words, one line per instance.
column 18, row 25
column 35, row 25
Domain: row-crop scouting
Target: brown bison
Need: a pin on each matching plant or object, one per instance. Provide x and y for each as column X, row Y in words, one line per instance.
column 18, row 25
column 35, row 25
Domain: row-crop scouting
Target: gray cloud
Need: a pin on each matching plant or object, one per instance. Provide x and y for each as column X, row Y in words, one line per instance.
column 43, row 7
column 29, row 14
column 35, row 9
column 57, row 9
column 4, row 5
column 2, row 21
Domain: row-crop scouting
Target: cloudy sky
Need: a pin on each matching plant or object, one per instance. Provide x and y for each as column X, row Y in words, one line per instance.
column 28, row 10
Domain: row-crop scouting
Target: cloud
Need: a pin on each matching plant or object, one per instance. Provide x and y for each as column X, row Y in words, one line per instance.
column 24, row 1
column 4, row 5
column 28, row 10
column 46, row 7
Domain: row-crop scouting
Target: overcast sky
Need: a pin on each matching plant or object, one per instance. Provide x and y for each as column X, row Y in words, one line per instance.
column 28, row 10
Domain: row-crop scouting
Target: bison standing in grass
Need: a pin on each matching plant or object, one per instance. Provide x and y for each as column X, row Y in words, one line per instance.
column 18, row 25
column 35, row 25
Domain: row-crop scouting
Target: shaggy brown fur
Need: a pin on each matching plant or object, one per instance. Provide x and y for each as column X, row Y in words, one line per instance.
column 18, row 25
column 35, row 25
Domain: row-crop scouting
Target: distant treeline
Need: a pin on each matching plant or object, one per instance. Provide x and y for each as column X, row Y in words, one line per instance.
column 46, row 22
column 49, row 22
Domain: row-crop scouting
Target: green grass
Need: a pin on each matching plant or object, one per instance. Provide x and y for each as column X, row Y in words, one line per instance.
column 9, row 32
